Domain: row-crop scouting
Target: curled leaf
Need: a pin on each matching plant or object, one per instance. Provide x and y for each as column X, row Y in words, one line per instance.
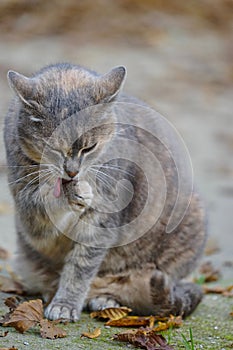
column 4, row 334
column 207, row 273
column 225, row 291
column 26, row 315
column 142, row 338
column 111, row 313
column 170, row 323
column 132, row 321
column 50, row 331
column 12, row 302
column 91, row 335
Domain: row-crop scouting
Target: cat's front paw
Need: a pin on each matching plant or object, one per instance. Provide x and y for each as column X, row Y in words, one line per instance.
column 80, row 195
column 61, row 309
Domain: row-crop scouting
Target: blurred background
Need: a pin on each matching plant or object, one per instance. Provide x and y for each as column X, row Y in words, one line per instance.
column 179, row 57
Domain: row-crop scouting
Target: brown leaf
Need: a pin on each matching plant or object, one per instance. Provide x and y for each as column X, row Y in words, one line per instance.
column 132, row 321
column 9, row 348
column 225, row 291
column 127, row 336
column 91, row 335
column 4, row 334
column 26, row 315
column 208, row 272
column 112, row 313
column 4, row 254
column 212, row 247
column 170, row 323
column 8, row 285
column 144, row 339
column 12, row 303
column 5, row 208
column 50, row 331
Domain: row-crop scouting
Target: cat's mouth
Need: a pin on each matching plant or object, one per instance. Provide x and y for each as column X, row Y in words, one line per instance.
column 64, row 181
column 58, row 184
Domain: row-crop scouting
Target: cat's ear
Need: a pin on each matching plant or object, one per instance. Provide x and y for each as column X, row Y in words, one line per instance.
column 22, row 86
column 111, row 83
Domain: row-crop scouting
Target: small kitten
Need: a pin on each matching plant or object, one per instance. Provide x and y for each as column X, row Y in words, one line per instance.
column 95, row 183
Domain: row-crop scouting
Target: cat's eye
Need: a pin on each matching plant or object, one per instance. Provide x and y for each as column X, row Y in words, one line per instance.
column 89, row 149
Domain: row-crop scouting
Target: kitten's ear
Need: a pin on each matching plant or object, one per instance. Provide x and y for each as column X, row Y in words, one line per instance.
column 111, row 83
column 22, row 85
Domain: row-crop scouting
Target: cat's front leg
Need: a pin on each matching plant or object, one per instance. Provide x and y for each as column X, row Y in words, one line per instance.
column 81, row 267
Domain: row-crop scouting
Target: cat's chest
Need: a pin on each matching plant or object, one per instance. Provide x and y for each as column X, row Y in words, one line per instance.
column 56, row 249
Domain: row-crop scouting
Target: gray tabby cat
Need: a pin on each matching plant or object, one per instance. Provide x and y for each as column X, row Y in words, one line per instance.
column 73, row 209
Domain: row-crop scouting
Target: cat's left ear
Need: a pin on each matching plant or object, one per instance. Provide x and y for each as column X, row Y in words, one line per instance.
column 111, row 83
column 23, row 86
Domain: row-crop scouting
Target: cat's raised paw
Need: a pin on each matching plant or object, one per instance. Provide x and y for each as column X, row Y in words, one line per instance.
column 57, row 310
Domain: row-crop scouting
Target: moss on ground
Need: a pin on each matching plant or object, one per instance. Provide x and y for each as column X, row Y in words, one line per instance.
column 212, row 328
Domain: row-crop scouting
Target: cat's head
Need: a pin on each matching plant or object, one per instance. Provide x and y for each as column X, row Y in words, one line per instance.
column 55, row 96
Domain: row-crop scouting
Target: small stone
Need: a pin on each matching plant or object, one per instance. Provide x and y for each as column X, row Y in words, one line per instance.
column 107, row 327
column 25, row 343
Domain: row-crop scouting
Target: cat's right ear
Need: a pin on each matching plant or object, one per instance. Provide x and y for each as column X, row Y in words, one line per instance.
column 22, row 86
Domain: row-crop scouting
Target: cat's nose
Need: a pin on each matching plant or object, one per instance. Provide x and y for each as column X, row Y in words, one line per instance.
column 71, row 174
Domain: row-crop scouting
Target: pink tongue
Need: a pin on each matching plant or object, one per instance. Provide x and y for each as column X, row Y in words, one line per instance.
column 57, row 188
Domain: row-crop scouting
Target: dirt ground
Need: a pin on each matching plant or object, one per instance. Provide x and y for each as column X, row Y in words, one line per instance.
column 179, row 60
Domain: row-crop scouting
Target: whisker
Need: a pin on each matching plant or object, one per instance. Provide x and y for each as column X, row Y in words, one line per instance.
column 23, row 177
column 112, row 178
column 26, row 176
column 45, row 176
column 98, row 176
column 113, row 167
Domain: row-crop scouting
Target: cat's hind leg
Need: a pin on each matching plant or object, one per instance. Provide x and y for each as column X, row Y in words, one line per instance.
column 146, row 292
column 100, row 303
column 176, row 298
column 131, row 289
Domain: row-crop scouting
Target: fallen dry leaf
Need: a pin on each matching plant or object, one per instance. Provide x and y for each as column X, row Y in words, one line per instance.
column 208, row 273
column 9, row 285
column 132, row 321
column 91, row 335
column 26, row 315
column 9, row 348
column 212, row 247
column 173, row 321
column 144, row 339
column 50, row 331
column 225, row 291
column 4, row 334
column 5, row 208
column 111, row 313
column 12, row 303
column 4, row 254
